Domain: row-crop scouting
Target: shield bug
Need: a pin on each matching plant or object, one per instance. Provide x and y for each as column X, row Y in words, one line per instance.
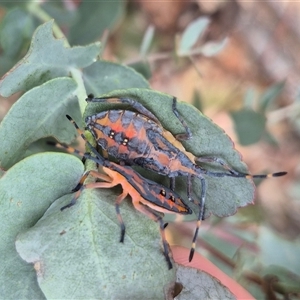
column 148, row 197
column 139, row 138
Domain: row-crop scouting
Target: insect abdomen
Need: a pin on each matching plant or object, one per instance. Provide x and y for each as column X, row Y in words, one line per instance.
column 121, row 133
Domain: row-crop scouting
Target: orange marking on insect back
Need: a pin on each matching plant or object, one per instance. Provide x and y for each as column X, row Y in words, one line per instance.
column 130, row 131
column 117, row 178
column 117, row 126
column 163, row 158
column 104, row 121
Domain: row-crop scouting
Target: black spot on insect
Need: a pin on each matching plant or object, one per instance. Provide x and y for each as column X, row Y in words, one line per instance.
column 163, row 193
column 172, row 198
column 125, row 141
column 111, row 134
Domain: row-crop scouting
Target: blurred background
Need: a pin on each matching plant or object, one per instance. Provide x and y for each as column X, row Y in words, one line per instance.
column 237, row 62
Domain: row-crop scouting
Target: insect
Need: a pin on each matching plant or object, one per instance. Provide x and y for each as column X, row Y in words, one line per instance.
column 139, row 138
column 148, row 197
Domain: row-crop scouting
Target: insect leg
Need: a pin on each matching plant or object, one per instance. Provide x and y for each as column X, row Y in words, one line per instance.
column 200, row 217
column 157, row 218
column 164, row 241
column 172, row 183
column 99, row 159
column 220, row 161
column 136, row 105
column 119, row 199
column 181, row 136
column 80, row 183
column 80, row 186
column 189, row 186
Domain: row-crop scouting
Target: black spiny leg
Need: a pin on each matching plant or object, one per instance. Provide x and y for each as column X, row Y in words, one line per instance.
column 181, row 136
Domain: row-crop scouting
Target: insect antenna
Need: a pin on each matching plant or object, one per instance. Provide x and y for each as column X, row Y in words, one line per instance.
column 99, row 159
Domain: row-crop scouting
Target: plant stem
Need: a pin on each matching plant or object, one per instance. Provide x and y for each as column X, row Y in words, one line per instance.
column 34, row 8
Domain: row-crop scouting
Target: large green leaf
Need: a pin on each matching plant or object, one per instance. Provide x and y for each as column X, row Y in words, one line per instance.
column 103, row 77
column 78, row 254
column 93, row 18
column 26, row 191
column 38, row 113
column 224, row 195
column 16, row 29
column 47, row 58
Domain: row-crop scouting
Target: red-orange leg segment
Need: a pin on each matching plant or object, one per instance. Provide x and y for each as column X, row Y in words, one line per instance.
column 80, row 186
column 108, row 184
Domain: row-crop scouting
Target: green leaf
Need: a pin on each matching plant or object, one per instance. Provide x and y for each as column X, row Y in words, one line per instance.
column 249, row 98
column 224, row 246
column 200, row 285
column 271, row 94
column 16, row 30
column 64, row 16
column 6, row 63
column 103, row 77
column 78, row 253
column 147, row 40
column 286, row 255
column 224, row 195
column 249, row 125
column 191, row 34
column 197, row 101
column 143, row 68
column 212, row 48
column 42, row 145
column 26, row 191
column 93, row 18
column 10, row 4
column 38, row 113
column 47, row 58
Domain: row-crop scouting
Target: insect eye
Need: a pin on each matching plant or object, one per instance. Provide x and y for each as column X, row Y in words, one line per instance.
column 163, row 192
column 125, row 141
